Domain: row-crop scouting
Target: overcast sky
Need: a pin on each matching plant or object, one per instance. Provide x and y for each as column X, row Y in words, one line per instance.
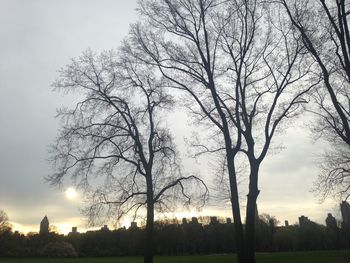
column 38, row 37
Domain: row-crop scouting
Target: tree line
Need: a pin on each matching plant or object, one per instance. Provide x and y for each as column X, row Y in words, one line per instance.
column 196, row 236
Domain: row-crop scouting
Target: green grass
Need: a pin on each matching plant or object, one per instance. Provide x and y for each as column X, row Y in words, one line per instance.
column 297, row 257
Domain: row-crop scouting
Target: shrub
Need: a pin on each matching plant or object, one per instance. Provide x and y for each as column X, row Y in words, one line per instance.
column 59, row 250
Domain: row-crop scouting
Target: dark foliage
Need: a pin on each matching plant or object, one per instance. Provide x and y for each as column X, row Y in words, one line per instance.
column 173, row 238
column 59, row 250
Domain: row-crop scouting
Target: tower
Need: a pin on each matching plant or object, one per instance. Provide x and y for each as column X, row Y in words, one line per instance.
column 345, row 212
column 44, row 226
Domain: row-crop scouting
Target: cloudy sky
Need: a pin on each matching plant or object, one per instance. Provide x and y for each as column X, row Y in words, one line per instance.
column 40, row 36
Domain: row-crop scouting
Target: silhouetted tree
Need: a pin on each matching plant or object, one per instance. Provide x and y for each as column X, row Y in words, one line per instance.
column 311, row 236
column 4, row 221
column 286, row 238
column 266, row 228
column 334, row 177
column 239, row 65
column 173, row 238
column 114, row 143
column 323, row 26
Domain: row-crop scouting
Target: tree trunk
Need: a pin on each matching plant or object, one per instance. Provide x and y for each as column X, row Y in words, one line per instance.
column 250, row 213
column 239, row 233
column 149, row 237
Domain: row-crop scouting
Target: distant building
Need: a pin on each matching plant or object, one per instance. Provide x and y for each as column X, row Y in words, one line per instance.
column 214, row 220
column 105, row 228
column 304, row 221
column 228, row 220
column 194, row 220
column 74, row 231
column 331, row 222
column 286, row 223
column 345, row 213
column 133, row 225
column 44, row 226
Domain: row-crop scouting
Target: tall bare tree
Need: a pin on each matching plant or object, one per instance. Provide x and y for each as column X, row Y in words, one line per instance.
column 114, row 143
column 239, row 64
column 324, row 28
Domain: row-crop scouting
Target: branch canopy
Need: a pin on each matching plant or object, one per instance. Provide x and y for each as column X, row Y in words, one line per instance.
column 114, row 143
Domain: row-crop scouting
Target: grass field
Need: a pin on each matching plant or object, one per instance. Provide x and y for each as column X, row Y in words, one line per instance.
column 297, row 257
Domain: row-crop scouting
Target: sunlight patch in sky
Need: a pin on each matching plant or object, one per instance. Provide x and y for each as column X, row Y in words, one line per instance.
column 71, row 193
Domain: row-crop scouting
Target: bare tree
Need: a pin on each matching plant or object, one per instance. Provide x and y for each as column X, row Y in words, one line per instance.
column 114, row 143
column 334, row 178
column 4, row 221
column 324, row 29
column 239, row 64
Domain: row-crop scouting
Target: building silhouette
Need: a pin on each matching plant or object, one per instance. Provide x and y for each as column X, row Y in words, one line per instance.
column 304, row 221
column 345, row 213
column 331, row 222
column 194, row 220
column 133, row 225
column 44, row 226
column 214, row 220
column 74, row 231
column 105, row 228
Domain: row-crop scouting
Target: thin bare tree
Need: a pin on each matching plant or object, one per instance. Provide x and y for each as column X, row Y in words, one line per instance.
column 240, row 67
column 324, row 28
column 114, row 143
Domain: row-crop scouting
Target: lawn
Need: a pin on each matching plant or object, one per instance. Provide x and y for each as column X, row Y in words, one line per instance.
column 299, row 257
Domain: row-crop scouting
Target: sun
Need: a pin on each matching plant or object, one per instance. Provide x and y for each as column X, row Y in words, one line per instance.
column 71, row 193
